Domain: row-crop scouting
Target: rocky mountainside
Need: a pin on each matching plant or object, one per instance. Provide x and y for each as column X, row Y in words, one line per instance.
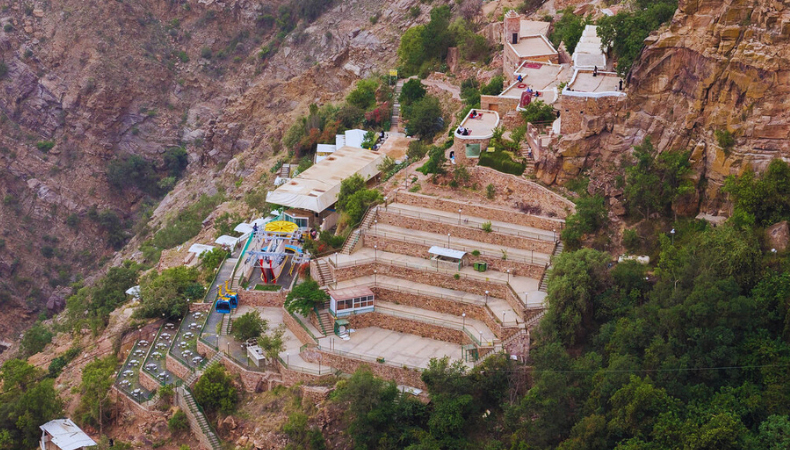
column 83, row 83
column 720, row 66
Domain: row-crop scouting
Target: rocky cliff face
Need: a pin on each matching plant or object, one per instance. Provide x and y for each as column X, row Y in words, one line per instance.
column 720, row 65
column 84, row 82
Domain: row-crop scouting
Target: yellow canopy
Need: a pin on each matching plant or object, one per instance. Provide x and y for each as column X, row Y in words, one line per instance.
column 281, row 226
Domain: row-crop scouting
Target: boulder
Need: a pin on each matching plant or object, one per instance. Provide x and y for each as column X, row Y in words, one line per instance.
column 778, row 236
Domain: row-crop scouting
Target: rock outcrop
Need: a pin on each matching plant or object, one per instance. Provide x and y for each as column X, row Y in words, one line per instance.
column 719, row 66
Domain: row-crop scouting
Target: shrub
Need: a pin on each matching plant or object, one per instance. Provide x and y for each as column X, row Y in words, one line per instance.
column 176, row 160
column 187, row 223
column 45, row 146
column 568, row 29
column 214, row 391
column 435, row 163
column 364, row 96
column 411, row 91
column 205, row 52
column 414, row 11
column 490, row 191
column 590, row 216
column 725, row 140
column 375, row 18
column 416, row 151
column 631, row 240
column 248, row 326
column 179, row 422
column 502, row 162
column 538, row 112
column 35, row 339
column 354, row 199
column 3, row 69
column 212, row 259
column 487, row 227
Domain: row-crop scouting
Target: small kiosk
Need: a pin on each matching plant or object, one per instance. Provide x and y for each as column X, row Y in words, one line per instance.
column 447, row 258
column 356, row 300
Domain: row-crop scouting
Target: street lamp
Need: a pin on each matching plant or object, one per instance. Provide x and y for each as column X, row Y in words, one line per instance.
column 508, row 275
column 463, row 315
column 503, row 317
column 481, row 337
column 375, row 252
column 335, row 259
column 459, row 216
column 672, row 232
column 376, row 225
column 486, row 298
column 287, row 359
column 374, row 277
column 448, row 240
column 554, row 234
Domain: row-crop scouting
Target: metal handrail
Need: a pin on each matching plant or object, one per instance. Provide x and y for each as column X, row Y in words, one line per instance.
column 367, row 358
column 520, row 259
column 320, row 372
column 365, row 261
column 468, row 220
column 219, row 269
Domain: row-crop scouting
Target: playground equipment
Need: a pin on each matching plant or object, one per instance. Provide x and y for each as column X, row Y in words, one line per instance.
column 280, row 245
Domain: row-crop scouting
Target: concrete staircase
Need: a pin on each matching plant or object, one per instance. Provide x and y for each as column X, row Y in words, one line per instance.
column 534, row 320
column 395, row 122
column 544, row 280
column 324, row 275
column 197, row 420
column 355, row 238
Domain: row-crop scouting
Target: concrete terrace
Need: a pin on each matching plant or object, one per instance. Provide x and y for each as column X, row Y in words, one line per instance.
column 533, row 47
column 480, row 127
column 600, row 85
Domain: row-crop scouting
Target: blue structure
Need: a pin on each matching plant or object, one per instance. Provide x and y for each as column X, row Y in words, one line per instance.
column 223, row 306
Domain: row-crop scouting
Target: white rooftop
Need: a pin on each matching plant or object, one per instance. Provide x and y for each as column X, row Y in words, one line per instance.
column 227, row 241
column 446, row 252
column 316, row 188
column 588, row 53
column 243, row 228
column 199, row 249
column 67, row 435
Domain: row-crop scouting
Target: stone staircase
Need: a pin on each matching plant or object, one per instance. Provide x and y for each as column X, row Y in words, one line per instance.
column 544, row 280
column 534, row 320
column 325, row 321
column 324, row 275
column 395, row 122
column 350, row 246
column 198, row 373
column 198, row 421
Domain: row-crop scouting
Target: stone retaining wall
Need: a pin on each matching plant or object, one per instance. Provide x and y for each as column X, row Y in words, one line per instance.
column 262, row 298
column 252, row 381
column 408, row 326
column 400, row 375
column 291, row 377
column 140, row 411
column 529, row 192
column 175, row 367
column 297, row 329
column 421, row 251
column 466, row 232
column 440, row 279
column 147, row 381
column 205, row 350
column 194, row 426
column 202, row 307
column 446, row 306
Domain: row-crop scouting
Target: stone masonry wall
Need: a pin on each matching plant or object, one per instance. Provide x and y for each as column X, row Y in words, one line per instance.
column 500, row 104
column 408, row 326
column 176, row 368
column 262, row 298
column 528, row 190
column 251, row 380
column 400, row 375
column 446, row 306
column 205, row 350
column 202, row 307
column 421, row 251
column 140, row 411
column 147, row 381
column 441, row 279
column 465, row 232
column 586, row 114
column 301, row 334
column 459, row 147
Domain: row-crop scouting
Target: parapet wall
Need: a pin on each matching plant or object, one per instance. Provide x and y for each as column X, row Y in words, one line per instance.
column 400, row 375
column 147, row 381
column 297, row 329
column 175, row 367
column 585, row 114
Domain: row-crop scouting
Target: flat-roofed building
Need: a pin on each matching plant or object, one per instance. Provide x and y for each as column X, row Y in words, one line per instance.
column 525, row 40
column 64, row 434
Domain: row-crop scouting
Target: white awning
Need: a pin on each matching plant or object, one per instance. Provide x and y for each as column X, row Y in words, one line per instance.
column 243, row 228
column 227, row 241
column 199, row 249
column 446, row 252
column 67, row 435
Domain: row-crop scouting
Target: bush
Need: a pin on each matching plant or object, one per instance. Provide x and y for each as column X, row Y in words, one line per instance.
column 416, row 151
column 435, row 163
column 538, row 112
column 176, row 160
column 424, row 117
column 487, row 227
column 133, row 171
column 414, row 11
column 568, row 29
column 45, row 146
column 631, row 240
column 490, row 191
column 212, row 259
column 167, row 293
column 35, row 339
column 248, row 326
column 188, row 223
column 178, row 423
column 502, row 162
column 214, row 391
column 354, row 199
column 205, row 52
column 411, row 91
column 494, row 87
column 725, row 140
column 590, row 216
column 364, row 96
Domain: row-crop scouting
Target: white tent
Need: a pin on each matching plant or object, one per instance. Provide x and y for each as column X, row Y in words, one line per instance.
column 243, row 228
column 227, row 241
column 199, row 249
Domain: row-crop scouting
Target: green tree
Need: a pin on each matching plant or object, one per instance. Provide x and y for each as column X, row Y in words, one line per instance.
column 765, row 199
column 178, row 423
column 305, row 296
column 653, row 183
column 248, row 326
column 435, row 163
column 589, row 217
column 411, row 91
column 272, row 342
column 214, row 391
column 364, row 96
column 301, row 435
column 424, row 117
column 568, row 29
column 354, row 199
column 36, row 338
column 166, row 293
column 538, row 112
column 97, row 378
column 26, row 402
column 574, row 283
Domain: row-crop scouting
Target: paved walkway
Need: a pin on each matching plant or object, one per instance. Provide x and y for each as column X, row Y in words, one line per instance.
column 468, row 245
column 523, row 286
column 224, row 274
column 471, row 221
column 498, row 306
column 395, row 347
